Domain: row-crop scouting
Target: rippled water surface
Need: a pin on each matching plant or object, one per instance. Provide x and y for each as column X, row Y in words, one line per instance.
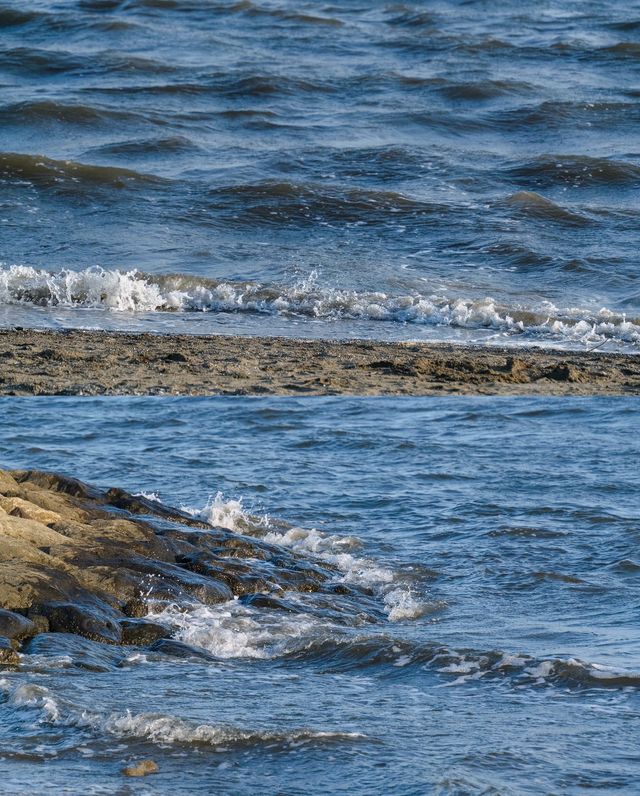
column 466, row 170
column 499, row 650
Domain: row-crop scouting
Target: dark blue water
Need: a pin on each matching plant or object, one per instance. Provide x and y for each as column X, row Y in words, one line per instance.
column 499, row 538
column 465, row 170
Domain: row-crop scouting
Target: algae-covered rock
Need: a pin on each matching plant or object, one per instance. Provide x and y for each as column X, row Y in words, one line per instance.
column 142, row 632
column 8, row 655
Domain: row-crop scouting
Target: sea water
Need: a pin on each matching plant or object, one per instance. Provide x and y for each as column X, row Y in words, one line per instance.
column 499, row 652
column 432, row 170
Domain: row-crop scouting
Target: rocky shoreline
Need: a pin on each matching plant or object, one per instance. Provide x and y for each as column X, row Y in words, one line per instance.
column 73, row 362
column 80, row 568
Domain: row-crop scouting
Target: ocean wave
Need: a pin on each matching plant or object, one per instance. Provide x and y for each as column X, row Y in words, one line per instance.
column 526, row 669
column 140, row 147
column 48, row 111
column 483, row 89
column 44, row 171
column 575, row 170
column 133, row 291
column 236, row 630
column 41, row 61
column 250, row 9
column 271, row 202
column 534, row 205
column 157, row 728
column 12, row 17
column 550, row 115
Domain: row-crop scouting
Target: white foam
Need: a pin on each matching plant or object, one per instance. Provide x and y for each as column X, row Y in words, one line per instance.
column 223, row 513
column 234, row 630
column 121, row 291
column 154, row 497
column 400, row 603
column 132, row 291
column 541, row 671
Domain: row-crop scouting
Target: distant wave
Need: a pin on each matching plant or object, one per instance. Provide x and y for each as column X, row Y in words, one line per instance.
column 575, row 170
column 41, row 170
column 49, row 111
column 534, row 205
column 133, row 291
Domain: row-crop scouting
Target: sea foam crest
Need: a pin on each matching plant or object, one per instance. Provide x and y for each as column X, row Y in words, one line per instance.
column 133, row 291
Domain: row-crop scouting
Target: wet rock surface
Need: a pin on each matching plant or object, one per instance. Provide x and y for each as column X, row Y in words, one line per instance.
column 81, row 567
column 16, row 626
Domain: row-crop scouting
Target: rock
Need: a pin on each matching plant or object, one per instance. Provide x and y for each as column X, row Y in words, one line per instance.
column 88, row 562
column 178, row 649
column 142, row 632
column 41, row 623
column 8, row 656
column 564, row 372
column 31, row 531
column 141, row 769
column 270, row 602
column 16, row 626
column 166, row 581
column 18, row 507
column 90, row 621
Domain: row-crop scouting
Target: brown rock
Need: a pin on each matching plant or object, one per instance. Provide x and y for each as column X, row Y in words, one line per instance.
column 82, row 561
column 141, row 769
column 24, row 508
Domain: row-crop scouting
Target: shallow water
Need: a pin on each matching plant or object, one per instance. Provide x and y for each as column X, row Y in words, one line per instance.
column 465, row 170
column 499, row 538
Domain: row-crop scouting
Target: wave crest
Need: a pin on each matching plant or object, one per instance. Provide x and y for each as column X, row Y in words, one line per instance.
column 158, row 728
column 133, row 291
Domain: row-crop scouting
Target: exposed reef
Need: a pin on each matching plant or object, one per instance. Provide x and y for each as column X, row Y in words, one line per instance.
column 104, row 363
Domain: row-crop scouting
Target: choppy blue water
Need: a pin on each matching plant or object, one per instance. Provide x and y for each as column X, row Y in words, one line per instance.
column 449, row 169
column 500, row 534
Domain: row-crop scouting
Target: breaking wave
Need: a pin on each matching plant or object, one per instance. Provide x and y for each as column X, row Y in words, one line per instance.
column 235, row 630
column 396, row 591
column 158, row 728
column 134, row 291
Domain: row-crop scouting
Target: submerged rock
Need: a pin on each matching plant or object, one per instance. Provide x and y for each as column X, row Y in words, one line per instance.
column 178, row 649
column 141, row 769
column 76, row 651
